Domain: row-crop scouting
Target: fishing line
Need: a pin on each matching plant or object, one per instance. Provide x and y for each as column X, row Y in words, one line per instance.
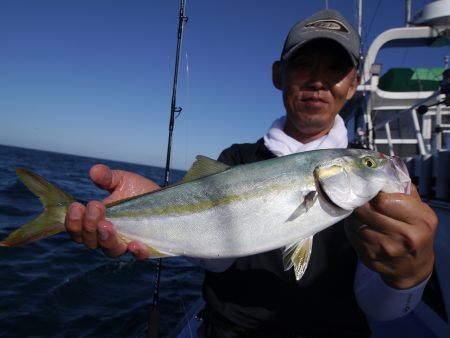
column 188, row 90
column 372, row 20
column 187, row 101
column 186, row 53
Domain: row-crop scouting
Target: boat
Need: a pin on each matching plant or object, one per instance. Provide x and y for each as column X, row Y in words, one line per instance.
column 404, row 112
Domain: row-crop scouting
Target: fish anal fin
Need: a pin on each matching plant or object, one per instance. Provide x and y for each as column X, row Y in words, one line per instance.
column 297, row 256
column 157, row 254
column 204, row 166
column 306, row 202
column 152, row 252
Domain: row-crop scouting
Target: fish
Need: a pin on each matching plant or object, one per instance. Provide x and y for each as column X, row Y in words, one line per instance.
column 218, row 211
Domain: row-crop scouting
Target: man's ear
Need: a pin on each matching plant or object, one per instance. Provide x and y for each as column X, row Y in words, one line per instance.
column 276, row 74
column 354, row 86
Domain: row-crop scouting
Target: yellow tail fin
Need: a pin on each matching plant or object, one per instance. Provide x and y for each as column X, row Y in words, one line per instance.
column 51, row 221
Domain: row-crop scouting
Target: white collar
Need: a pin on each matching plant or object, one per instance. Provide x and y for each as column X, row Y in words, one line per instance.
column 281, row 144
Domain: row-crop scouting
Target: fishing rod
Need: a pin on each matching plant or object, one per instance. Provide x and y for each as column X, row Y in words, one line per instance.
column 153, row 323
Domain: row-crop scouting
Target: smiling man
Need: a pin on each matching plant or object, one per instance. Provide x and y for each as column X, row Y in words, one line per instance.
column 375, row 270
column 316, row 82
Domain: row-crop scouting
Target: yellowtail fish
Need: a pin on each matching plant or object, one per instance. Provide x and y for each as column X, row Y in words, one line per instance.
column 218, row 211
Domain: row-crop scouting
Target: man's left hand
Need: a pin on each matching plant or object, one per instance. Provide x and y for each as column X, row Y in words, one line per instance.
column 393, row 235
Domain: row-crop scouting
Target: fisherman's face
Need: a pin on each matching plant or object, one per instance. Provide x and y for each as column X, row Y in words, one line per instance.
column 316, row 82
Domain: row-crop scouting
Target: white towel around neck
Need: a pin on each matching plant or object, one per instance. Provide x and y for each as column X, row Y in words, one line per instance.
column 281, row 144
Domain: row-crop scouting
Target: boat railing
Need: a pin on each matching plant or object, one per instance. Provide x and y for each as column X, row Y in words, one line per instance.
column 431, row 174
column 393, row 114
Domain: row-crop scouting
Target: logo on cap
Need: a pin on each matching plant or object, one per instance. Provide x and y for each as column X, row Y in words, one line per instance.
column 333, row 25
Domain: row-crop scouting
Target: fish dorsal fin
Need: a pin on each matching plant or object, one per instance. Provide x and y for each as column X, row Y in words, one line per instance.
column 204, row 166
column 297, row 255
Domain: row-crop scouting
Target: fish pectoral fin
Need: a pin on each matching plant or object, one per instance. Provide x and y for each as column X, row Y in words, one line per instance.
column 297, row 256
column 306, row 202
column 204, row 166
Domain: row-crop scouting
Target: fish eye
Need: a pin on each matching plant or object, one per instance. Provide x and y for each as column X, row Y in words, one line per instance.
column 369, row 162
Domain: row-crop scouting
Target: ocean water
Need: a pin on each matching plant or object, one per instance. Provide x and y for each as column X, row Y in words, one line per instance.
column 57, row 288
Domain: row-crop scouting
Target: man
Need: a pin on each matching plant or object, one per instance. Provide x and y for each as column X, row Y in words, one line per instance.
column 379, row 262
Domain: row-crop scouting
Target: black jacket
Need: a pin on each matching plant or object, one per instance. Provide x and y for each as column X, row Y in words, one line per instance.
column 255, row 297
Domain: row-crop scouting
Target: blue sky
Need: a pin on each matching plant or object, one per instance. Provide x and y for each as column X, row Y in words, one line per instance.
column 94, row 77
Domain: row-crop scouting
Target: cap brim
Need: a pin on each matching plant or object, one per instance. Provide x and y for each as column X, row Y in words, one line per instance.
column 321, row 35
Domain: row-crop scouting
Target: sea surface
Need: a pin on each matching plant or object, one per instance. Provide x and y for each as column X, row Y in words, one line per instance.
column 57, row 288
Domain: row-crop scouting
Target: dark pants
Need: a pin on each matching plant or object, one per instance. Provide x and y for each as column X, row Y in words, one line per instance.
column 208, row 330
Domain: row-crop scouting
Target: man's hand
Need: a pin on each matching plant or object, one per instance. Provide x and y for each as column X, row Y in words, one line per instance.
column 87, row 224
column 393, row 235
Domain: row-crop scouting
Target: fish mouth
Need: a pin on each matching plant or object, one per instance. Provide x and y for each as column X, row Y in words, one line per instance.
column 402, row 174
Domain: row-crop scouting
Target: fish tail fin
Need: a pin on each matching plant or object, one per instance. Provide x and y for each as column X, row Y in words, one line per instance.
column 50, row 221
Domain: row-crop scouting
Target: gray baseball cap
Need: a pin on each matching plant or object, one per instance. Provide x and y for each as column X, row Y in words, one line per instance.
column 326, row 24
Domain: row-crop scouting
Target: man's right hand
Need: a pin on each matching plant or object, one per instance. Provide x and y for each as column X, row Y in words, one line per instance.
column 87, row 224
